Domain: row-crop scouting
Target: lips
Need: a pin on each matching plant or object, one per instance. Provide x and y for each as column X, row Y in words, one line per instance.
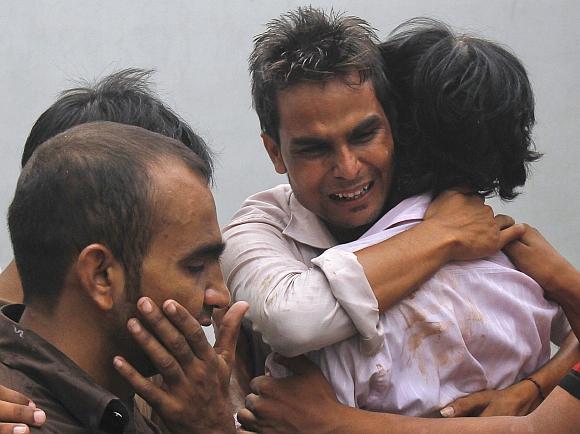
column 351, row 195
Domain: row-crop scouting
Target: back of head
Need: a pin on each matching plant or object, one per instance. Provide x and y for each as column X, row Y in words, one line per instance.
column 124, row 97
column 466, row 110
column 311, row 45
column 90, row 184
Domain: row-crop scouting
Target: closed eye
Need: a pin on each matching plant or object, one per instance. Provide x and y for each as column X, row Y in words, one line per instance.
column 310, row 150
column 365, row 136
column 195, row 268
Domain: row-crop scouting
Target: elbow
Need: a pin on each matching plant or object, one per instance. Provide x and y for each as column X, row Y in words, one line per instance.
column 292, row 344
column 292, row 335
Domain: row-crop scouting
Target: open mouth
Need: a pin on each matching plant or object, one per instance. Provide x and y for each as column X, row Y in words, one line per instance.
column 347, row 197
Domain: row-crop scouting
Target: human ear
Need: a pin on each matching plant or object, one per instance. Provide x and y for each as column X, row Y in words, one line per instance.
column 275, row 153
column 101, row 276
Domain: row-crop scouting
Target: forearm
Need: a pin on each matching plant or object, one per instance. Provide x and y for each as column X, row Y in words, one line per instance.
column 552, row 372
column 567, row 293
column 355, row 421
column 559, row 413
column 292, row 301
column 396, row 267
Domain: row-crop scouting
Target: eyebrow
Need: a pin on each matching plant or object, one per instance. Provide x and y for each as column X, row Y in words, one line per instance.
column 308, row 141
column 372, row 121
column 210, row 250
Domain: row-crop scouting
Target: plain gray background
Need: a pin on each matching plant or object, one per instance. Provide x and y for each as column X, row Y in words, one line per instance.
column 200, row 51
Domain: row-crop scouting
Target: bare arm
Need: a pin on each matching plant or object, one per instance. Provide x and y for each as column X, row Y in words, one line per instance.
column 533, row 255
column 456, row 227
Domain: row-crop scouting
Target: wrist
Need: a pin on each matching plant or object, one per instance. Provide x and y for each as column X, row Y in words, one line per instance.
column 538, row 389
column 445, row 242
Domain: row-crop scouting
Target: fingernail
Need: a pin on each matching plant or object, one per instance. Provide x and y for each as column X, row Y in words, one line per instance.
column 134, row 325
column 39, row 417
column 117, row 362
column 31, row 404
column 19, row 430
column 170, row 307
column 145, row 305
column 447, row 412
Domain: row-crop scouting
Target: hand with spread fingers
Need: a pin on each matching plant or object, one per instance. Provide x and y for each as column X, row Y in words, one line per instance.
column 17, row 413
column 194, row 397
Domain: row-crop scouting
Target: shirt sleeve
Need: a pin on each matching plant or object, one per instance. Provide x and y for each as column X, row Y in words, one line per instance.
column 298, row 307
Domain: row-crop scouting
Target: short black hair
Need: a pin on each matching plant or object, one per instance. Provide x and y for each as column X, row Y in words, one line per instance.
column 124, row 97
column 466, row 111
column 89, row 184
column 311, row 45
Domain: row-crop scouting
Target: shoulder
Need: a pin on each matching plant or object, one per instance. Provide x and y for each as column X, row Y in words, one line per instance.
column 270, row 206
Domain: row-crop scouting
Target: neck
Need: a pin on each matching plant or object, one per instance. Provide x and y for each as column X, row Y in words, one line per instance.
column 82, row 338
column 346, row 235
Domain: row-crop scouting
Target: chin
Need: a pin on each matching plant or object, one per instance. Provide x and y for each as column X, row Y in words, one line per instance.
column 360, row 221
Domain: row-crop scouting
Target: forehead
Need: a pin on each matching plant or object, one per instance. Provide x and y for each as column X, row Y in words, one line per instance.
column 330, row 107
column 185, row 209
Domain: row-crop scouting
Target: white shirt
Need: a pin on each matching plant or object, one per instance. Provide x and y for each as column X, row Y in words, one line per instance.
column 302, row 296
column 474, row 325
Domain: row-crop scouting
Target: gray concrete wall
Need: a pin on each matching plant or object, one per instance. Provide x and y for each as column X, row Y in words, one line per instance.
column 200, row 48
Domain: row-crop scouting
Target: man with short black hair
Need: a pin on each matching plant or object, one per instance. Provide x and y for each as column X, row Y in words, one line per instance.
column 326, row 110
column 105, row 215
column 324, row 106
column 125, row 97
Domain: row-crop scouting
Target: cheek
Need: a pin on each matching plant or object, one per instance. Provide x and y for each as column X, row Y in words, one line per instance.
column 191, row 299
column 307, row 179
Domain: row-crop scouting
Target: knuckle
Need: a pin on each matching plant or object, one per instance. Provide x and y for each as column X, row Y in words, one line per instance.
column 147, row 390
column 145, row 338
column 249, row 402
column 20, row 413
column 177, row 344
column 197, row 334
column 167, row 363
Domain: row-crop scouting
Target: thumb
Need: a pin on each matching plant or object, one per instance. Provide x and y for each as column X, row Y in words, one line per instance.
column 229, row 330
column 298, row 365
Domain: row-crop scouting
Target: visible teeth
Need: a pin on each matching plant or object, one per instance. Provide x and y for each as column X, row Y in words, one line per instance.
column 351, row 196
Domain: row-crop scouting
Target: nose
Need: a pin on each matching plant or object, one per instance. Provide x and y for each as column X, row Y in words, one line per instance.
column 216, row 294
column 347, row 164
